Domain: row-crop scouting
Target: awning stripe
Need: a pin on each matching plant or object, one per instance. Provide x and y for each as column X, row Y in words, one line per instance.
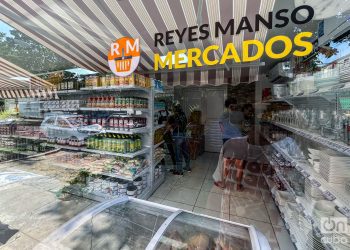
column 53, row 33
column 82, row 31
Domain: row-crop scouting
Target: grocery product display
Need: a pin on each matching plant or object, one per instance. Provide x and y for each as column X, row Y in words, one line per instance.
column 184, row 230
column 116, row 102
column 115, row 142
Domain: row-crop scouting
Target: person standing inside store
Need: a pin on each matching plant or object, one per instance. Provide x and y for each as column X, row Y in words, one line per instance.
column 231, row 120
column 169, row 141
column 231, row 127
column 235, row 154
column 178, row 123
column 248, row 114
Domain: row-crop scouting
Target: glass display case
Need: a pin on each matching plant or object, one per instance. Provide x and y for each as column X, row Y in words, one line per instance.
column 129, row 223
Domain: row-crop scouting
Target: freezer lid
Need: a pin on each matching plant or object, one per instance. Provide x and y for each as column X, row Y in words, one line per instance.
column 129, row 223
column 186, row 230
column 122, row 223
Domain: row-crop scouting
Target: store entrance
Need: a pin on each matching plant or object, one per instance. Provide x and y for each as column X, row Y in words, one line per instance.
column 214, row 108
column 210, row 101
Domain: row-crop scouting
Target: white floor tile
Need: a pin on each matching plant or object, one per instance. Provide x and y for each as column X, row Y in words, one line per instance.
column 208, row 186
column 178, row 205
column 162, row 191
column 189, row 182
column 265, row 228
column 267, row 196
column 247, row 192
column 183, row 195
column 274, row 214
column 248, row 208
column 155, row 199
column 283, row 238
column 213, row 201
column 212, row 213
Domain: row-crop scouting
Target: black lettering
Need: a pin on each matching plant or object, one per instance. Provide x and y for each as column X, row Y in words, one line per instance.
column 203, row 29
column 245, row 21
column 181, row 35
column 267, row 23
column 169, row 37
column 282, row 18
column 158, row 38
column 230, row 25
column 192, row 33
column 310, row 12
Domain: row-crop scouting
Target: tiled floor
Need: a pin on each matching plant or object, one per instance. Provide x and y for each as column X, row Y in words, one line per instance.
column 196, row 192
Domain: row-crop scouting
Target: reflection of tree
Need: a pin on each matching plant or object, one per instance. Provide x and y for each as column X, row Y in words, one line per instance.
column 29, row 54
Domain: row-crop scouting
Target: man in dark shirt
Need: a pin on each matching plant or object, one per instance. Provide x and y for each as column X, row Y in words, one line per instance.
column 178, row 123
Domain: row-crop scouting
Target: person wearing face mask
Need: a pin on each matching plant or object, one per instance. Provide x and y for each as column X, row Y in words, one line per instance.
column 231, row 121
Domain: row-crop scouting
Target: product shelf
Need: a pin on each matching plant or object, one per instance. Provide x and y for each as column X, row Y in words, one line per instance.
column 305, row 206
column 158, row 182
column 158, row 161
column 116, row 88
column 145, row 150
column 137, row 111
column 127, row 155
column 332, row 192
column 335, row 145
column 159, row 126
column 158, row 144
column 132, row 131
column 128, row 178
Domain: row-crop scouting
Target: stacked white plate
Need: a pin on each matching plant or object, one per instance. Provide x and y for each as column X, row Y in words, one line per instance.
column 291, row 210
column 334, row 167
column 303, row 224
column 283, row 197
column 314, row 159
column 311, row 192
column 323, row 208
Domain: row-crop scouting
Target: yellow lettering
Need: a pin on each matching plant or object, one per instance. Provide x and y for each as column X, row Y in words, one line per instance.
column 179, row 58
column 287, row 47
column 306, row 44
column 193, row 55
column 245, row 54
column 205, row 55
column 230, row 52
column 159, row 62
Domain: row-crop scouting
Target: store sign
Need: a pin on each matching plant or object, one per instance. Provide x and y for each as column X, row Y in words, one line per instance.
column 124, row 56
column 197, row 57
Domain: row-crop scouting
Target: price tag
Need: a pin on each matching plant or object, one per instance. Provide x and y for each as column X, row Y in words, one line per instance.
column 305, row 174
column 317, row 232
column 315, row 183
column 329, row 196
column 298, row 168
column 345, row 211
column 300, row 208
column 309, row 219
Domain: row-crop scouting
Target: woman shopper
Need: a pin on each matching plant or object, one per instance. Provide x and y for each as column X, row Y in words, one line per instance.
column 231, row 120
column 235, row 154
column 179, row 123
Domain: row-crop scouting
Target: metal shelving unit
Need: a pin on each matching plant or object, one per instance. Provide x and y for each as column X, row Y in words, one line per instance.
column 159, row 144
column 147, row 132
column 332, row 192
column 304, row 206
column 335, row 145
column 128, row 178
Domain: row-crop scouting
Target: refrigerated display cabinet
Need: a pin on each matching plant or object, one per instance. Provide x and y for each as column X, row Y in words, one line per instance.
column 129, row 223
